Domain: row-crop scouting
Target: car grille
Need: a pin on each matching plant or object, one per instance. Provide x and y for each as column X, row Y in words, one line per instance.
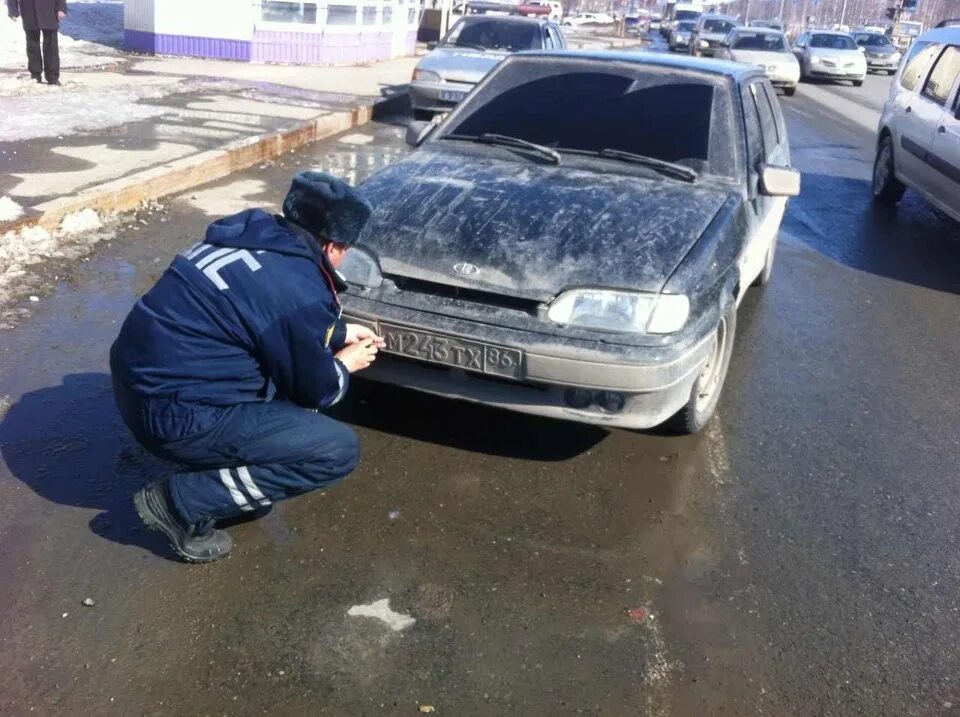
column 479, row 296
column 829, row 63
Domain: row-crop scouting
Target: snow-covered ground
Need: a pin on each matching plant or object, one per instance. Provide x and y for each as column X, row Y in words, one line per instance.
column 90, row 36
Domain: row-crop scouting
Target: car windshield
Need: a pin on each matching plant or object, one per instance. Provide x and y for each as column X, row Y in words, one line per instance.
column 584, row 107
column 759, row 41
column 833, row 42
column 718, row 26
column 495, row 34
column 687, row 15
column 873, row 41
column 686, row 26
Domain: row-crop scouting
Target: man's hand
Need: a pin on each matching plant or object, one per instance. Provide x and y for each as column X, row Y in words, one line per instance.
column 61, row 14
column 357, row 333
column 359, row 355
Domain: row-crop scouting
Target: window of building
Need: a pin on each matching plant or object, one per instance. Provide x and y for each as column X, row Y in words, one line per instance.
column 369, row 15
column 341, row 15
column 304, row 13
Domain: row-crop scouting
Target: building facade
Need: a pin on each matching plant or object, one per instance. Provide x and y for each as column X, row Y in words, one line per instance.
column 320, row 32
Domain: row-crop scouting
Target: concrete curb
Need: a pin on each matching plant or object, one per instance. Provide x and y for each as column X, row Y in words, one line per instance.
column 128, row 192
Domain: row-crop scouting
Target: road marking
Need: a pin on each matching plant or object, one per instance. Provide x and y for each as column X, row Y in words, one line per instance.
column 864, row 116
column 381, row 611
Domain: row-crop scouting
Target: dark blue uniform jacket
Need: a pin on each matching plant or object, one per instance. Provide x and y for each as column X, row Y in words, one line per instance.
column 248, row 314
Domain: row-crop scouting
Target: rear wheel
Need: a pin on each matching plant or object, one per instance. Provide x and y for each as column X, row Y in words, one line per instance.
column 887, row 189
column 705, row 394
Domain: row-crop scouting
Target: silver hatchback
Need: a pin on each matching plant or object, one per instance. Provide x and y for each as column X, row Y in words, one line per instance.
column 473, row 47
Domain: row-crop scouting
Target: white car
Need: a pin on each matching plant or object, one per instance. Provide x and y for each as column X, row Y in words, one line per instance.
column 766, row 48
column 918, row 143
column 556, row 9
column 589, row 18
column 830, row 55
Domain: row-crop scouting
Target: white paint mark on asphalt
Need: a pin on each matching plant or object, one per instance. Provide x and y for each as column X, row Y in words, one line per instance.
column 356, row 138
column 381, row 611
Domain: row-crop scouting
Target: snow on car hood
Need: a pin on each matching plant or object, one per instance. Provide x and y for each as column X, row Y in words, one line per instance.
column 530, row 230
column 461, row 64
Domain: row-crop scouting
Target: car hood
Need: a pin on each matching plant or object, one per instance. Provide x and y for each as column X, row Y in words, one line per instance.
column 461, row 64
column 530, row 230
column 760, row 57
column 835, row 55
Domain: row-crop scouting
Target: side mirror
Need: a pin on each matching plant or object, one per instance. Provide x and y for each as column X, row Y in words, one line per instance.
column 779, row 181
column 417, row 132
column 432, row 45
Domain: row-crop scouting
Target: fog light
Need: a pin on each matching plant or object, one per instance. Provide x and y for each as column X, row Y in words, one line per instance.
column 609, row 401
column 578, row 397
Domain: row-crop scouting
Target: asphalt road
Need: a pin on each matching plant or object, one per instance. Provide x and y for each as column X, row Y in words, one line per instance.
column 799, row 557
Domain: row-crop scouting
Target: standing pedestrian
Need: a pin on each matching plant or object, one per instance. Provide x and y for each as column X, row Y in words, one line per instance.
column 41, row 17
column 223, row 365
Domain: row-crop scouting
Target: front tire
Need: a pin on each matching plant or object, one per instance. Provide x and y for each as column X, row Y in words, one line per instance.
column 887, row 189
column 790, row 91
column 705, row 394
column 858, row 83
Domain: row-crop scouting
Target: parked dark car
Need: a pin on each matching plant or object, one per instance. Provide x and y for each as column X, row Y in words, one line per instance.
column 574, row 239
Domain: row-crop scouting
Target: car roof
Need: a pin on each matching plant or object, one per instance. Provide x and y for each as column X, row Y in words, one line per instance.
column 950, row 33
column 734, row 70
column 511, row 19
column 759, row 30
column 718, row 16
column 829, row 32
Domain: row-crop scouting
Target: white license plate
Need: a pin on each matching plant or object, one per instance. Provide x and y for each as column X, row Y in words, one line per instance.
column 451, row 95
column 452, row 351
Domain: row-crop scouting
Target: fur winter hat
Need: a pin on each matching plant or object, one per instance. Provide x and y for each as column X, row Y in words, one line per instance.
column 327, row 207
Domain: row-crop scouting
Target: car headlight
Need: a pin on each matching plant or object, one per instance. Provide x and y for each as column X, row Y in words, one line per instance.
column 358, row 267
column 620, row 311
column 895, row 57
column 426, row 76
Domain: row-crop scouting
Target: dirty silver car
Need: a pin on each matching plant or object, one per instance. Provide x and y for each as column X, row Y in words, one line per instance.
column 474, row 46
column 583, row 264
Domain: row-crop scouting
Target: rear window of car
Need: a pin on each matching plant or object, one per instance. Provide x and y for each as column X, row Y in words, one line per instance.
column 589, row 106
column 686, row 26
column 687, row 15
column 943, row 76
column 495, row 35
column 869, row 40
column 759, row 41
column 915, row 66
column 833, row 42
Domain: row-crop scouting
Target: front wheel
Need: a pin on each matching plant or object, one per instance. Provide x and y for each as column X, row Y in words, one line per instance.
column 858, row 83
column 790, row 91
column 705, row 394
column 887, row 189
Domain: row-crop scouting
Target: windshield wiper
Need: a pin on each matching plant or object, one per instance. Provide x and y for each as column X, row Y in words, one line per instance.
column 678, row 171
column 505, row 141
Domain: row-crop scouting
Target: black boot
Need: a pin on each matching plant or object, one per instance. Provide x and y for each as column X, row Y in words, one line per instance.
column 200, row 543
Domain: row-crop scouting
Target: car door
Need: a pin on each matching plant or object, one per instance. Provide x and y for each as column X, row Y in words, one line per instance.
column 766, row 144
column 914, row 118
column 943, row 155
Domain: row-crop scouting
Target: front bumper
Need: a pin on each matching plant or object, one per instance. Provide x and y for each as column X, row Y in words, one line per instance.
column 882, row 63
column 637, row 390
column 437, row 96
column 838, row 73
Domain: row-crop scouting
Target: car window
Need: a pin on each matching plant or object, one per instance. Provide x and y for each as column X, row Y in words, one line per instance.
column 759, row 41
column 914, row 67
column 548, row 40
column 718, row 26
column 557, row 40
column 777, row 112
column 832, row 42
column 943, row 76
column 801, row 41
column 872, row 40
column 768, row 125
column 754, row 133
column 495, row 35
column 686, row 26
column 686, row 15
column 577, row 106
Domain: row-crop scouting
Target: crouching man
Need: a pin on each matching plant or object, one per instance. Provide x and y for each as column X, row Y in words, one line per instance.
column 221, row 366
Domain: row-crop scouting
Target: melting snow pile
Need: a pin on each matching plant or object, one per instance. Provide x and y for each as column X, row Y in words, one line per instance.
column 9, row 210
column 82, row 221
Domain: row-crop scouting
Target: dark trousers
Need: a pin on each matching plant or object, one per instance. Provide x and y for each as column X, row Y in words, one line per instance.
column 47, row 61
column 253, row 454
